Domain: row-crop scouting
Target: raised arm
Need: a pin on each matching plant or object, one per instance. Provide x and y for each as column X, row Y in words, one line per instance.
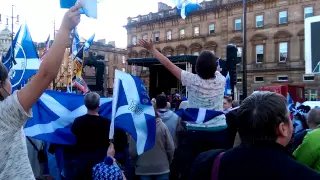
column 175, row 70
column 51, row 61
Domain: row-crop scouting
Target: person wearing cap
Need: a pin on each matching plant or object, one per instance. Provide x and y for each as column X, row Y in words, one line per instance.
column 108, row 169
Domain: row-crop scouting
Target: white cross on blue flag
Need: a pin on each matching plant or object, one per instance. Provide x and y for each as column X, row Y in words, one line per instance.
column 54, row 113
column 132, row 110
column 26, row 61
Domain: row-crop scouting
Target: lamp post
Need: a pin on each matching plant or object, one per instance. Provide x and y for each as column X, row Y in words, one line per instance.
column 244, row 50
column 12, row 17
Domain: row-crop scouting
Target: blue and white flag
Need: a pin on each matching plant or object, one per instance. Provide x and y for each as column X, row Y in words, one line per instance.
column 201, row 119
column 197, row 115
column 88, row 43
column 132, row 111
column 289, row 99
column 54, row 113
column 227, row 89
column 185, row 7
column 89, row 6
column 75, row 42
column 26, row 61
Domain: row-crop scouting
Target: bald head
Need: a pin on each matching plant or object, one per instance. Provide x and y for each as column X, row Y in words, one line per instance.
column 92, row 101
column 314, row 118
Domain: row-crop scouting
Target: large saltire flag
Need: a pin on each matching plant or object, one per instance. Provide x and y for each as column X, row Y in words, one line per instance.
column 54, row 113
column 132, row 111
column 26, row 61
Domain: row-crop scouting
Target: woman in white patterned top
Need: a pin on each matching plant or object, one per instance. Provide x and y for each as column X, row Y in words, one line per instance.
column 206, row 88
column 15, row 109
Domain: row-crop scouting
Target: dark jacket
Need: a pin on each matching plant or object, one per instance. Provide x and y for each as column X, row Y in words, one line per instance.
column 264, row 161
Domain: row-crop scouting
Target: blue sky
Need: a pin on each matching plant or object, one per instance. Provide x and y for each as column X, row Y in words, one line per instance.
column 112, row 15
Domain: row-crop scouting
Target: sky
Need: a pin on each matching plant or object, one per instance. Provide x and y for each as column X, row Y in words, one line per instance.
column 112, row 16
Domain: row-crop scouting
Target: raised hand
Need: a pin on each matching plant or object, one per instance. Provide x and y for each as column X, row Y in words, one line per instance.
column 146, row 44
column 111, row 152
column 71, row 18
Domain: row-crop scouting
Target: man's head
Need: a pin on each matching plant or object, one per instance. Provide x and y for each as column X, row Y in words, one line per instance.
column 206, row 65
column 227, row 102
column 314, row 118
column 161, row 102
column 92, row 101
column 262, row 117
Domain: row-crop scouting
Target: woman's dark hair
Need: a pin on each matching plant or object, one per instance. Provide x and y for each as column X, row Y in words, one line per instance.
column 3, row 74
column 206, row 65
column 260, row 115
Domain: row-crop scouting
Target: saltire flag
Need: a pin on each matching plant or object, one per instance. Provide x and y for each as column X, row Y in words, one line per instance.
column 289, row 99
column 46, row 47
column 227, row 89
column 132, row 111
column 78, row 52
column 201, row 117
column 26, row 61
column 186, row 7
column 89, row 7
column 54, row 113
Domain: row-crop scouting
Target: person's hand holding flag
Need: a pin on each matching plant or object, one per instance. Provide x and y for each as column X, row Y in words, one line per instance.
column 71, row 18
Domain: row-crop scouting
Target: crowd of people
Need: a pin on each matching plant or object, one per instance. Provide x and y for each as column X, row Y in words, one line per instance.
column 254, row 140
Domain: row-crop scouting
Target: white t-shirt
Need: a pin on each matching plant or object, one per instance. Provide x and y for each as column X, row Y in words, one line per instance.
column 14, row 161
column 204, row 93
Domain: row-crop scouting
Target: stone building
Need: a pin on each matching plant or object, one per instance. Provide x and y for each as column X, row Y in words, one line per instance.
column 275, row 37
column 5, row 41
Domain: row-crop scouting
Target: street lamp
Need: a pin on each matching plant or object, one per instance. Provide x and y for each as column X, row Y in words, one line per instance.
column 12, row 17
column 244, row 50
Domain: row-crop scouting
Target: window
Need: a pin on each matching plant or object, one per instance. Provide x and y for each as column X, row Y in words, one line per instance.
column 308, row 77
column 211, row 29
column 134, row 40
column 237, row 24
column 123, row 60
column 196, row 31
column 196, row 53
column 258, row 79
column 123, row 69
column 239, row 80
column 239, row 53
column 283, row 51
column 308, row 12
column 313, row 95
column 283, row 17
column 259, row 21
column 282, row 78
column 145, row 37
column 181, row 33
column 169, row 35
column 259, row 54
column 107, row 70
column 156, row 37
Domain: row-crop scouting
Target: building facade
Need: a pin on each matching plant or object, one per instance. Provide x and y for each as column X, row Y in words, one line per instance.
column 110, row 58
column 275, row 38
column 5, row 41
